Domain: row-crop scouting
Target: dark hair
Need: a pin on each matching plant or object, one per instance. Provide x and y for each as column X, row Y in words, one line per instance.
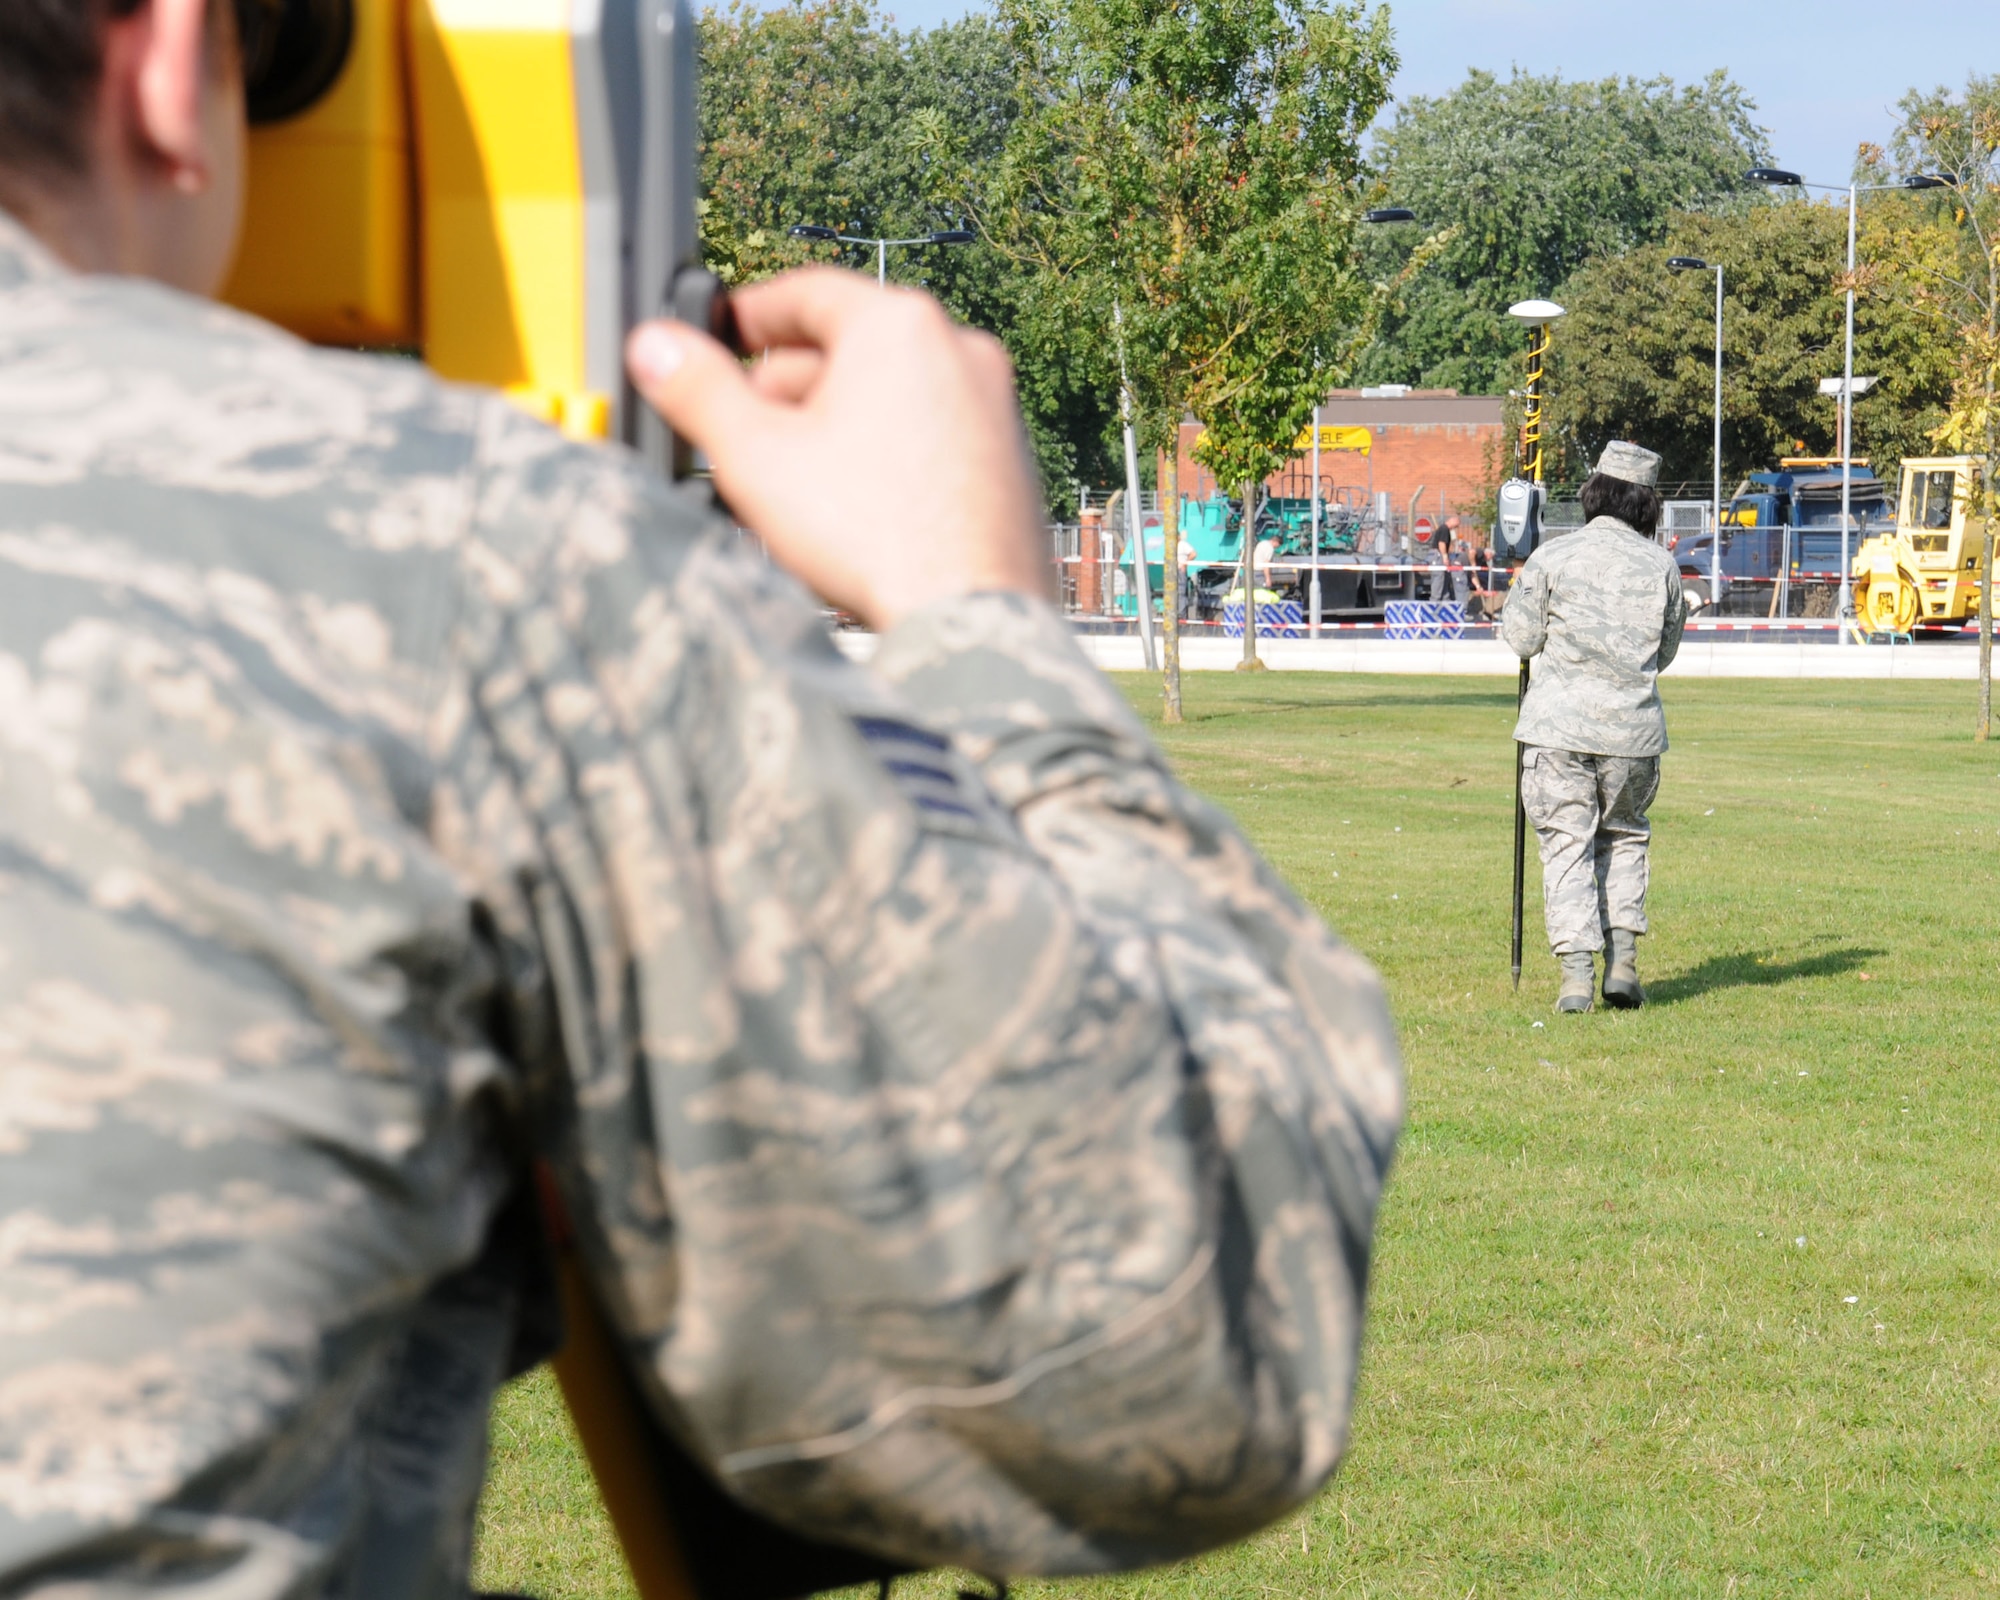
column 51, row 55
column 1634, row 504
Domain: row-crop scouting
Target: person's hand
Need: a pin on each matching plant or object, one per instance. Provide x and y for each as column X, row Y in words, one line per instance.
column 875, row 446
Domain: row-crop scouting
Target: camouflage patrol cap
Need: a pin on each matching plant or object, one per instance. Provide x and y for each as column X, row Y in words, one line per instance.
column 1632, row 462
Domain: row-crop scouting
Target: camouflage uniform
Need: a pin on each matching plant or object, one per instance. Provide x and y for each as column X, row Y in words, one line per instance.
column 1590, row 823
column 1601, row 609
column 976, row 1143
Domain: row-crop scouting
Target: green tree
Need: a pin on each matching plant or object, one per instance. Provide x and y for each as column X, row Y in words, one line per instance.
column 1943, row 263
column 1634, row 359
column 806, row 114
column 821, row 111
column 1537, row 176
column 1200, row 166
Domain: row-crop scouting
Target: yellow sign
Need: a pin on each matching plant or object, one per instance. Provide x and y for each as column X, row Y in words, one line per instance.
column 1356, row 439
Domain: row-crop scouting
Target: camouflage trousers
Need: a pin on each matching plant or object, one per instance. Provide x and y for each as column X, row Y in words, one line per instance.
column 1589, row 814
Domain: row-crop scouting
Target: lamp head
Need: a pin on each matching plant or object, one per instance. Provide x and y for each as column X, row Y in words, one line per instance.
column 952, row 236
column 1535, row 311
column 1778, row 177
column 812, row 230
column 1931, row 180
column 1686, row 264
column 1389, row 214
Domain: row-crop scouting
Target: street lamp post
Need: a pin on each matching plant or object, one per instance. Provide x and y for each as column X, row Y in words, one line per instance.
column 1312, row 623
column 1135, row 522
column 1779, row 177
column 1696, row 264
column 812, row 230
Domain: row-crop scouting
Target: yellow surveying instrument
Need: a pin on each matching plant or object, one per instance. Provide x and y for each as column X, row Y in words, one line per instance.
column 503, row 187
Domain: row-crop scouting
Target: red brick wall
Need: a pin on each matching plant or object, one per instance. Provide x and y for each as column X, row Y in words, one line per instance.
column 1089, row 575
column 1451, row 458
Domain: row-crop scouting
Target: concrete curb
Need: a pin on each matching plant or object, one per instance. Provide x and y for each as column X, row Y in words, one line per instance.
column 1698, row 658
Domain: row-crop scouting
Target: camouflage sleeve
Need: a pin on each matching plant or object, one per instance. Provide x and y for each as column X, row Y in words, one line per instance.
column 1524, row 616
column 979, row 1145
column 246, row 1152
column 1675, row 622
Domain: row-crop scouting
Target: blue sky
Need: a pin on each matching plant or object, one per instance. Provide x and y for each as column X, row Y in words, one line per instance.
column 1825, row 74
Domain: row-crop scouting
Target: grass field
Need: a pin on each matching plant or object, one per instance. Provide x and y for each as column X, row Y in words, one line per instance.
column 1693, row 1301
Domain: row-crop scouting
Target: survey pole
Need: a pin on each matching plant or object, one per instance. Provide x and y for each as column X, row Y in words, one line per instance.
column 1538, row 314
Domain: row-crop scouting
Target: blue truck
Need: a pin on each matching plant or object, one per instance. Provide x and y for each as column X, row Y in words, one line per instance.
column 1782, row 523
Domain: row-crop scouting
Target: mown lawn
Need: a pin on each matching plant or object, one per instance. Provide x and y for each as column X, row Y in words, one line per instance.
column 1702, row 1300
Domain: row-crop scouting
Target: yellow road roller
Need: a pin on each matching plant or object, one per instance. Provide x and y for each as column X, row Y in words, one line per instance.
column 1925, row 573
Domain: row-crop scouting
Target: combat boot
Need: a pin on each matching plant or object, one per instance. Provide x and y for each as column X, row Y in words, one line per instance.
column 1578, row 976
column 1621, row 971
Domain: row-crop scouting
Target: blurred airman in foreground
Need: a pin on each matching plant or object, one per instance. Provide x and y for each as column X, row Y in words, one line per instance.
column 975, row 1144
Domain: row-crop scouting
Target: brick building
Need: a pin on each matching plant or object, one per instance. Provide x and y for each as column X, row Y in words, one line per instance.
column 1440, row 442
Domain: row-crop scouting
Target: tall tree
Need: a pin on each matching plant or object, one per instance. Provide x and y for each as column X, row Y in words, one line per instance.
column 1537, row 176
column 1634, row 358
column 821, row 111
column 806, row 115
column 1945, row 265
column 1198, row 165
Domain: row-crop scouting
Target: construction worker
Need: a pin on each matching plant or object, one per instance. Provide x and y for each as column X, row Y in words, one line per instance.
column 974, row 1143
column 1600, row 611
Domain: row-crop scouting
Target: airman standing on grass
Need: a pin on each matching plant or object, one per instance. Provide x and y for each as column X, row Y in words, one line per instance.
column 1602, row 609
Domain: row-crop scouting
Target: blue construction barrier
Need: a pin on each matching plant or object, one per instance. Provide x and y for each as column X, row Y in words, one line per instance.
column 1418, row 619
column 1276, row 619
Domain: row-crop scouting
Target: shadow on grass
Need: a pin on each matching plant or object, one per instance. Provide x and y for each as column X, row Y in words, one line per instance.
column 1747, row 969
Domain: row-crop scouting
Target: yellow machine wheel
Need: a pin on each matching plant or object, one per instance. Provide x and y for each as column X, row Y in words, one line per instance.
column 1888, row 604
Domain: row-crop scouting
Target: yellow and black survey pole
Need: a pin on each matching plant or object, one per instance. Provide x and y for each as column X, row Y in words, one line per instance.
column 683, row 1535
column 1538, row 314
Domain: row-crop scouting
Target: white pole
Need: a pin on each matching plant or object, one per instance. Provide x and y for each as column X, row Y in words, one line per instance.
column 881, row 263
column 1312, row 625
column 1715, row 502
column 1134, row 522
column 1847, row 426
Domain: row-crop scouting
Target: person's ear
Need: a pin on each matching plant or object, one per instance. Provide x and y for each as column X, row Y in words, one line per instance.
column 162, row 53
